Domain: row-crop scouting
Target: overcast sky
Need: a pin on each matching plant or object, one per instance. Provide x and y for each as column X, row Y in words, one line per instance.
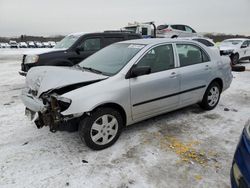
column 51, row 17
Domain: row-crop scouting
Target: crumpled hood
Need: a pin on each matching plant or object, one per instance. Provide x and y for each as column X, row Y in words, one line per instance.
column 39, row 51
column 45, row 78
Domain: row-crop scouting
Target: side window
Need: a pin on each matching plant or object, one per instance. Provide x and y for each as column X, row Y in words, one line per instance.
column 179, row 27
column 92, row 44
column 189, row 29
column 111, row 40
column 190, row 54
column 159, row 58
column 245, row 43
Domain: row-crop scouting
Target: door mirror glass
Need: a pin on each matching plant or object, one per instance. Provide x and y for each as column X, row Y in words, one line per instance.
column 139, row 71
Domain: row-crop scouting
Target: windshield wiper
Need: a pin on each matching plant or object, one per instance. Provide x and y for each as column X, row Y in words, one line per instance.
column 92, row 70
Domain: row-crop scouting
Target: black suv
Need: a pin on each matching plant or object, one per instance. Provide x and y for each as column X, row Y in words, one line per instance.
column 74, row 48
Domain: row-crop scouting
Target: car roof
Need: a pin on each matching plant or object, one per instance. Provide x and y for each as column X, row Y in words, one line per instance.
column 103, row 33
column 157, row 41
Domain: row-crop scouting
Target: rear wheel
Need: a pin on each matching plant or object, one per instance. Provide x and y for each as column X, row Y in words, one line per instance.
column 211, row 96
column 101, row 129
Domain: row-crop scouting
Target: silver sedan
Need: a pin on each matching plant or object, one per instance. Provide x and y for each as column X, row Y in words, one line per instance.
column 125, row 83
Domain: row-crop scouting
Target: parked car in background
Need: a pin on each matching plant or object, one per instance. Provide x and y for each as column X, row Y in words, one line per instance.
column 38, row 44
column 46, row 44
column 7, row 45
column 240, row 172
column 23, row 45
column 147, row 29
column 207, row 42
column 2, row 45
column 51, row 44
column 125, row 83
column 237, row 48
column 174, row 31
column 13, row 44
column 31, row 44
column 73, row 49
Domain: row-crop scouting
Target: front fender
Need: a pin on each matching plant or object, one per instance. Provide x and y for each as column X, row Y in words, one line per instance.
column 87, row 98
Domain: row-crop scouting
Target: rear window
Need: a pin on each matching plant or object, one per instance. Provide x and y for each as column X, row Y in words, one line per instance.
column 161, row 27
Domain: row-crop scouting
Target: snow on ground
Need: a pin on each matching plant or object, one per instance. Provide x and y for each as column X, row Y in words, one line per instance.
column 148, row 154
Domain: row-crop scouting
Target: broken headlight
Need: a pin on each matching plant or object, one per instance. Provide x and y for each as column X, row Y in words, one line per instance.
column 31, row 59
column 61, row 102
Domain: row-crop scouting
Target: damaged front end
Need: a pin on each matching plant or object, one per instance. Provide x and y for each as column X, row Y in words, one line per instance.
column 46, row 110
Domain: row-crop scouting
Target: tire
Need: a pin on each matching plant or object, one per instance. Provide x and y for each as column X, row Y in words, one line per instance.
column 238, row 68
column 96, row 133
column 235, row 59
column 211, row 96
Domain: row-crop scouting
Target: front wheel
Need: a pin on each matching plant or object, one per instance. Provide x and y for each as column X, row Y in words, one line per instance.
column 101, row 129
column 211, row 96
column 235, row 59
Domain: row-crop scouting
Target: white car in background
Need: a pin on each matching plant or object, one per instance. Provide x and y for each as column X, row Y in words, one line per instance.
column 237, row 48
column 207, row 42
column 23, row 45
column 46, row 45
column 174, row 31
column 52, row 43
column 2, row 45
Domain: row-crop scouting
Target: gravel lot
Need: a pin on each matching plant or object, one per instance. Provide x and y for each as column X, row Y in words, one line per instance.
column 185, row 148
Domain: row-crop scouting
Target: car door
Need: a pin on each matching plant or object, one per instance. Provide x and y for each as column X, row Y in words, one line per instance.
column 156, row 92
column 195, row 70
column 180, row 29
column 243, row 52
column 85, row 48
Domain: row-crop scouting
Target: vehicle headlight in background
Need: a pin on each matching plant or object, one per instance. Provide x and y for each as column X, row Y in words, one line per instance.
column 31, row 59
column 236, row 173
column 247, row 128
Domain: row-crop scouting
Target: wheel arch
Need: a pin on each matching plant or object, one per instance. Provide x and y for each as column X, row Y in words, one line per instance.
column 219, row 81
column 116, row 106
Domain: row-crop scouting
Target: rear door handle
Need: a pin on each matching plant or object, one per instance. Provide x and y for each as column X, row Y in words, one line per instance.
column 173, row 75
column 207, row 67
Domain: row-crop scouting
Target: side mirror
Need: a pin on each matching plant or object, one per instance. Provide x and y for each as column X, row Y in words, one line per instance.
column 244, row 46
column 139, row 71
column 79, row 49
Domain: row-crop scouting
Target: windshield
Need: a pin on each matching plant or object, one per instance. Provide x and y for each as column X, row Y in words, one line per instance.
column 231, row 42
column 111, row 59
column 67, row 42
